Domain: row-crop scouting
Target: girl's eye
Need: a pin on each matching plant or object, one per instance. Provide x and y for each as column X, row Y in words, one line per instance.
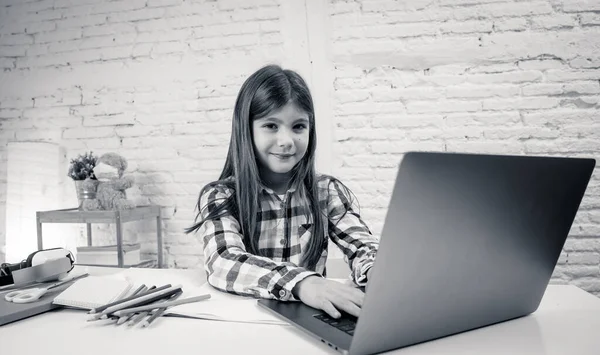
column 300, row 126
column 270, row 126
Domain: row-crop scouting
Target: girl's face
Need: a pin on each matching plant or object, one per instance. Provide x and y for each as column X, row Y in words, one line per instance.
column 280, row 139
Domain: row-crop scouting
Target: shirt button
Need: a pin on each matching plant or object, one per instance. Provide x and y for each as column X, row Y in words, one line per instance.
column 282, row 242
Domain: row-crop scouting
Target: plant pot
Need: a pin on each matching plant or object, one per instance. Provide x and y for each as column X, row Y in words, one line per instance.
column 85, row 191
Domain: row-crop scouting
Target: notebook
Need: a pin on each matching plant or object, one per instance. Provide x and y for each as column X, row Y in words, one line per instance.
column 94, row 291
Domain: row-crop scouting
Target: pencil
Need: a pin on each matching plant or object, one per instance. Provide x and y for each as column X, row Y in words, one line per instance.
column 136, row 300
column 161, row 305
column 137, row 317
column 139, row 290
column 154, row 299
column 142, row 300
column 147, row 304
column 119, row 298
column 158, row 312
column 142, row 288
column 149, row 291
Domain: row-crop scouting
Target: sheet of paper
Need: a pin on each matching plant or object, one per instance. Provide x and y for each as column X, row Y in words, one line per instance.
column 223, row 307
column 94, row 291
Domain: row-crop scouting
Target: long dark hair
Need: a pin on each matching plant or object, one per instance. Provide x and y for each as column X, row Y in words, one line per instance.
column 267, row 90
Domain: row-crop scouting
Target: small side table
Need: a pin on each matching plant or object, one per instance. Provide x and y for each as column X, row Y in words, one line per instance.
column 74, row 215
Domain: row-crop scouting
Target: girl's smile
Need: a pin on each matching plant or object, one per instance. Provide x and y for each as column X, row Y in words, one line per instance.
column 283, row 156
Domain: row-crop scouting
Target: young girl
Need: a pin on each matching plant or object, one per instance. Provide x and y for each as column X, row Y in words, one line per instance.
column 266, row 222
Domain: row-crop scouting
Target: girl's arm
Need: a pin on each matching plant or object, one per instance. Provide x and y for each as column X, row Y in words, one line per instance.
column 232, row 269
column 350, row 233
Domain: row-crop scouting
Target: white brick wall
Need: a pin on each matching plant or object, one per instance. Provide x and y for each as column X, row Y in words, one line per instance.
column 475, row 76
column 156, row 81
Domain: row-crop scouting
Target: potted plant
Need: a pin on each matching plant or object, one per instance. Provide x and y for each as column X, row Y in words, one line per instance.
column 81, row 169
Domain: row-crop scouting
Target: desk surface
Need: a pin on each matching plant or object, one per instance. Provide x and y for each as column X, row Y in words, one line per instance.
column 567, row 322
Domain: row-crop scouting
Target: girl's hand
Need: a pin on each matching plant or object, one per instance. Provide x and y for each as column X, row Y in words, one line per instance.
column 330, row 296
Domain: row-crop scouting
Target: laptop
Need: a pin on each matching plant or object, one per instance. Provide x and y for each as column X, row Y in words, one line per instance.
column 469, row 240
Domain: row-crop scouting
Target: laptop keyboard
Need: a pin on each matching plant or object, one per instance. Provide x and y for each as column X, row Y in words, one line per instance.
column 345, row 323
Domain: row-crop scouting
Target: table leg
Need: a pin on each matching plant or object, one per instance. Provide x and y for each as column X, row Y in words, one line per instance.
column 89, row 234
column 159, row 241
column 39, row 231
column 119, row 239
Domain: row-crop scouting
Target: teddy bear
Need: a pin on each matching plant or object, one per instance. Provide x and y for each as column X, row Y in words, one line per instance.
column 111, row 184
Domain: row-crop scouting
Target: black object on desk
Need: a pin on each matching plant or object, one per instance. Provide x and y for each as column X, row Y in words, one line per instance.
column 11, row 312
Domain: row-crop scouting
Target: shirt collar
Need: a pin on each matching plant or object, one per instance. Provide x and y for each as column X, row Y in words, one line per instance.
column 266, row 189
column 271, row 192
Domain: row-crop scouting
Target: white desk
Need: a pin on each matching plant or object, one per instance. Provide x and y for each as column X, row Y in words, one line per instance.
column 567, row 322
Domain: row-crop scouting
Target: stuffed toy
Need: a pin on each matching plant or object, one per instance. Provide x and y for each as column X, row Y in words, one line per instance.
column 111, row 185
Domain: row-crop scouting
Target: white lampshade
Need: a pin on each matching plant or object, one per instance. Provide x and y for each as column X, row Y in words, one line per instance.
column 35, row 182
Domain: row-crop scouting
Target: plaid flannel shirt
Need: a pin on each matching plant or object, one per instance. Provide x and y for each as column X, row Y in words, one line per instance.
column 284, row 234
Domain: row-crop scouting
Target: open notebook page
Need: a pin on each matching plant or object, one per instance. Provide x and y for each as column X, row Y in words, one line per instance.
column 222, row 307
column 94, row 291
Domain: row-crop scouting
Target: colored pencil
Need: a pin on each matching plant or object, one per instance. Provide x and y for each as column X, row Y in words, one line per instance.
column 141, row 289
column 142, row 300
column 166, row 304
column 158, row 312
column 136, row 319
column 127, row 299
